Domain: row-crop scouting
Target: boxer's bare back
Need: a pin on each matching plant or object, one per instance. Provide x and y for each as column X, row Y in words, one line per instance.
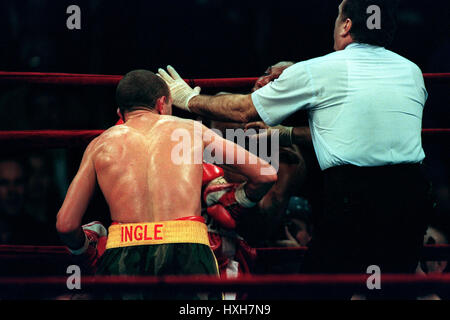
column 136, row 173
column 133, row 165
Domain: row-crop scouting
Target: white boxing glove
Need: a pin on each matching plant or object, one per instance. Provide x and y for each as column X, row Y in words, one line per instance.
column 180, row 91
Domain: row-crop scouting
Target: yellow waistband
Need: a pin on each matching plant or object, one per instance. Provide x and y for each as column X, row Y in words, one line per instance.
column 162, row 232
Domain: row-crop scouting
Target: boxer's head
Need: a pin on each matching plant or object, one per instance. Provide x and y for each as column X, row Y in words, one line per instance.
column 12, row 186
column 142, row 89
column 365, row 21
column 272, row 73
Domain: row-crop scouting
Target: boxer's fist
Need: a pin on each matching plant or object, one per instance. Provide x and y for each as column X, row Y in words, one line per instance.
column 213, row 175
column 94, row 247
column 210, row 173
column 226, row 202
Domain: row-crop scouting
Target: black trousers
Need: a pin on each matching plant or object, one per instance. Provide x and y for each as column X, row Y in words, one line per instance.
column 371, row 216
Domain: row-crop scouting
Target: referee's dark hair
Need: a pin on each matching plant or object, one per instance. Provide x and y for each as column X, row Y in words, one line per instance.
column 356, row 11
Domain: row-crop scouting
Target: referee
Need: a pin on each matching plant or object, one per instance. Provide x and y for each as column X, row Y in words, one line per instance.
column 365, row 107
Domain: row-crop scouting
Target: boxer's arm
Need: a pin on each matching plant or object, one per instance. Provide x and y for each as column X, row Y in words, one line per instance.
column 259, row 173
column 301, row 136
column 276, row 200
column 287, row 135
column 69, row 218
column 226, row 107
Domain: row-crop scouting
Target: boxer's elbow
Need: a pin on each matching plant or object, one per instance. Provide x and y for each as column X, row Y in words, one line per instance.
column 273, row 202
column 65, row 224
column 268, row 177
column 258, row 187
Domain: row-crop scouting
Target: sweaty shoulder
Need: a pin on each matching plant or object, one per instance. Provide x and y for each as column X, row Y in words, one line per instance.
column 167, row 120
column 113, row 133
column 109, row 140
column 166, row 123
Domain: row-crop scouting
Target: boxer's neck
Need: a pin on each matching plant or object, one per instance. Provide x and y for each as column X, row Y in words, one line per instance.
column 139, row 113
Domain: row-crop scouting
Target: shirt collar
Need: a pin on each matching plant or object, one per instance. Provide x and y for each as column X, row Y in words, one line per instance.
column 361, row 45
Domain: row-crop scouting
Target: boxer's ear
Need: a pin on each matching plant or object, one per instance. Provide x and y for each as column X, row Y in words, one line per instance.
column 120, row 114
column 162, row 106
column 346, row 27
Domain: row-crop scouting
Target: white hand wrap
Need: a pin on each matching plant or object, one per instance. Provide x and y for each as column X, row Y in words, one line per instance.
column 93, row 227
column 241, row 197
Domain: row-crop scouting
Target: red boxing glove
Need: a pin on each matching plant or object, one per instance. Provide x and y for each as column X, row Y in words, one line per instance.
column 94, row 246
column 226, row 202
column 210, row 172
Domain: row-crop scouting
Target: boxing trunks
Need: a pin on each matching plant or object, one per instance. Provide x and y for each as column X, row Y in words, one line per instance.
column 175, row 247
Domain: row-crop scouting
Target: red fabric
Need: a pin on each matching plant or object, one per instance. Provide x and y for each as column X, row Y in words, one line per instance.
column 245, row 254
column 88, row 260
column 221, row 215
column 193, row 218
column 227, row 210
column 190, row 218
column 215, row 242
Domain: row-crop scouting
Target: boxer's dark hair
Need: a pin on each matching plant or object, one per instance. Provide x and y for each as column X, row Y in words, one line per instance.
column 140, row 88
column 356, row 10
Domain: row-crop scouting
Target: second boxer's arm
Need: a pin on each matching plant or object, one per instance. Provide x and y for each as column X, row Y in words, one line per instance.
column 226, row 107
column 259, row 173
column 69, row 218
column 301, row 136
column 276, row 200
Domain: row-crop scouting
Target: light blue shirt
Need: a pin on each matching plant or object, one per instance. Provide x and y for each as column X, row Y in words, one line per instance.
column 364, row 103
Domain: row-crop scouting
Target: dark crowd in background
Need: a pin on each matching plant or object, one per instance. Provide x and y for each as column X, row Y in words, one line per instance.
column 201, row 39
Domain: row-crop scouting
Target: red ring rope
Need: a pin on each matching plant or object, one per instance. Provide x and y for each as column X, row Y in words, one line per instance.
column 109, row 80
column 50, row 285
column 245, row 280
column 289, row 284
column 76, row 138
column 96, row 79
column 64, row 138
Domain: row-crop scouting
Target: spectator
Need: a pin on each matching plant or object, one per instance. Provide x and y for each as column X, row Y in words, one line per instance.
column 297, row 229
column 12, row 195
column 16, row 225
column 42, row 198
